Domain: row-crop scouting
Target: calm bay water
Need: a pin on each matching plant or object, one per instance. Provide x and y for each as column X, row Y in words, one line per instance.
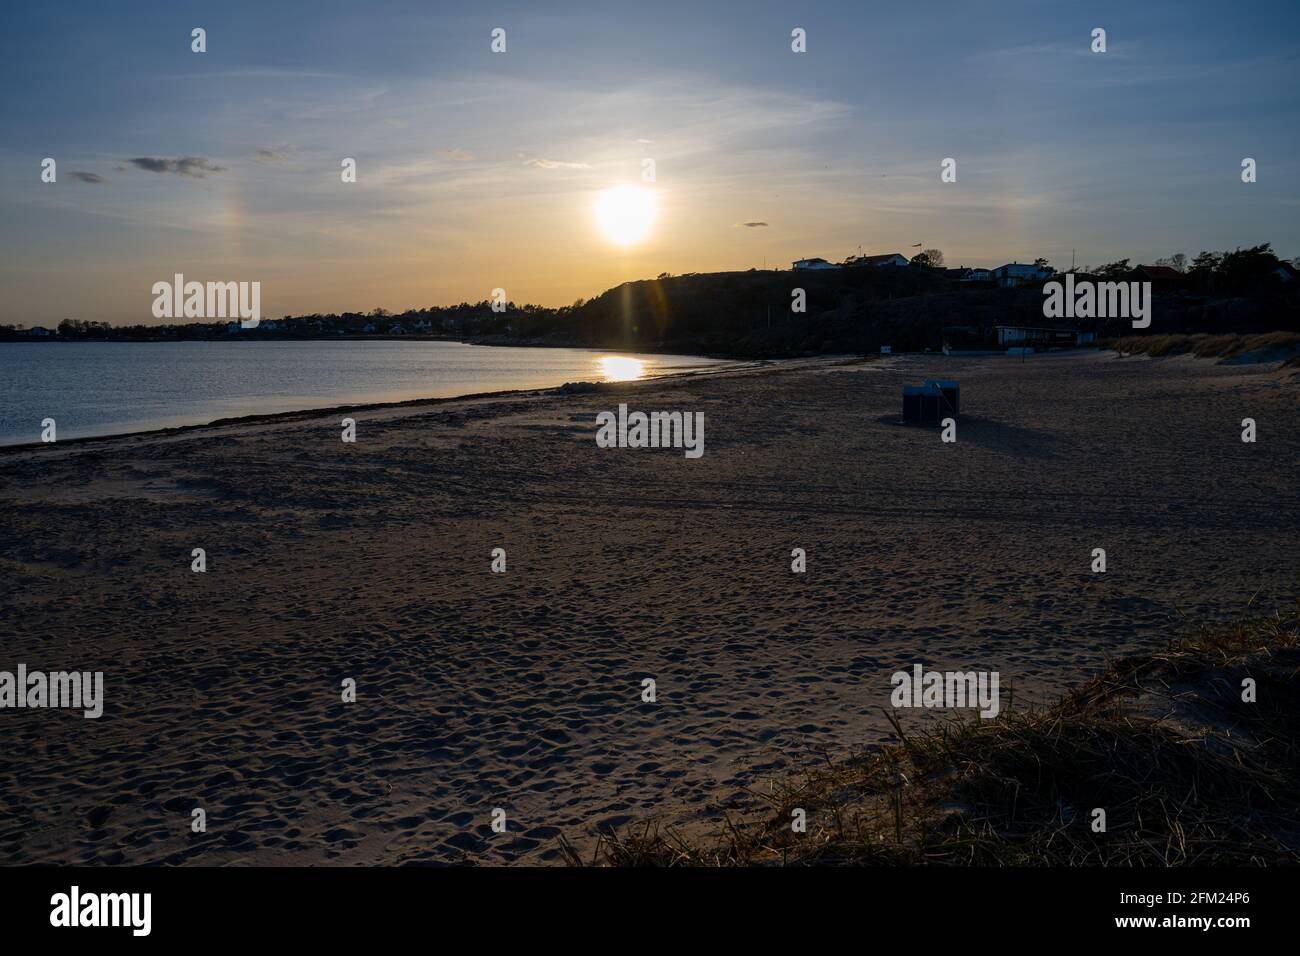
column 107, row 388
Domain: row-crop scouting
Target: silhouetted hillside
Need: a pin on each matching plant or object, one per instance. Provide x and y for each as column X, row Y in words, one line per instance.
column 851, row 310
column 749, row 312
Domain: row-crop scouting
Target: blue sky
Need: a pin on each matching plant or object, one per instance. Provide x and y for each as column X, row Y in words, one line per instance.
column 478, row 170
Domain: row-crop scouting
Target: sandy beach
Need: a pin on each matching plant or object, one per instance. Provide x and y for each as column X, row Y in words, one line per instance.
column 522, row 690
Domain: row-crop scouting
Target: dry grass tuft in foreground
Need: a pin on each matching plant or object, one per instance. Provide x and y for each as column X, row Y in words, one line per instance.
column 1186, row 771
column 1270, row 345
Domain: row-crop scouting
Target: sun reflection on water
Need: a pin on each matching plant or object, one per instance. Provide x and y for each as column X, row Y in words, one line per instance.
column 618, row 368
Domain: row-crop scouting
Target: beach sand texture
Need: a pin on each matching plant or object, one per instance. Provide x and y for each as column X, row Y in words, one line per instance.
column 522, row 690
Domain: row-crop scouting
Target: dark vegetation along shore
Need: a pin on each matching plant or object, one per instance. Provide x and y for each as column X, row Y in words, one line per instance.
column 1281, row 347
column 1186, row 771
column 853, row 309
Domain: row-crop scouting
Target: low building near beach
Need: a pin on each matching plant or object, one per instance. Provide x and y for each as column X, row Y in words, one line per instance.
column 1022, row 335
column 815, row 263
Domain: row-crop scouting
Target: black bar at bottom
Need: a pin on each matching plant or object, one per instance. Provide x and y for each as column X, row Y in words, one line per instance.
column 333, row 905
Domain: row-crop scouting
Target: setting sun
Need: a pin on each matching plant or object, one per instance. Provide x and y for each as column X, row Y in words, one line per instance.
column 625, row 213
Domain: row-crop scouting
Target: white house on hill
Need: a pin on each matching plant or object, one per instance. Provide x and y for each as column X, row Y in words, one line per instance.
column 814, row 264
column 1018, row 273
column 889, row 259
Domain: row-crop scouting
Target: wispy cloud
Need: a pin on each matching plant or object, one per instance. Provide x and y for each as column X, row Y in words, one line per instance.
column 750, row 225
column 456, row 154
column 270, row 155
column 555, row 164
column 195, row 167
column 89, row 177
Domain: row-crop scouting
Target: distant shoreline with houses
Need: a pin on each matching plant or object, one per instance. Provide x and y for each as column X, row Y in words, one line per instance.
column 1015, row 274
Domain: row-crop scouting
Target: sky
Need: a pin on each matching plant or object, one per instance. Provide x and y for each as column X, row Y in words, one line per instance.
column 479, row 170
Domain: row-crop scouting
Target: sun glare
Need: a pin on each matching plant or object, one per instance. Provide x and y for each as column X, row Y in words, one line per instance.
column 617, row 368
column 625, row 213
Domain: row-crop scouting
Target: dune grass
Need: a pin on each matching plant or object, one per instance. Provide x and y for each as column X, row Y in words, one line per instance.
column 1185, row 770
column 1207, row 346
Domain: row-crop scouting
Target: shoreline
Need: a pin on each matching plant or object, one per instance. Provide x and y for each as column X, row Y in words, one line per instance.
column 413, row 403
column 737, row 366
column 486, row 341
